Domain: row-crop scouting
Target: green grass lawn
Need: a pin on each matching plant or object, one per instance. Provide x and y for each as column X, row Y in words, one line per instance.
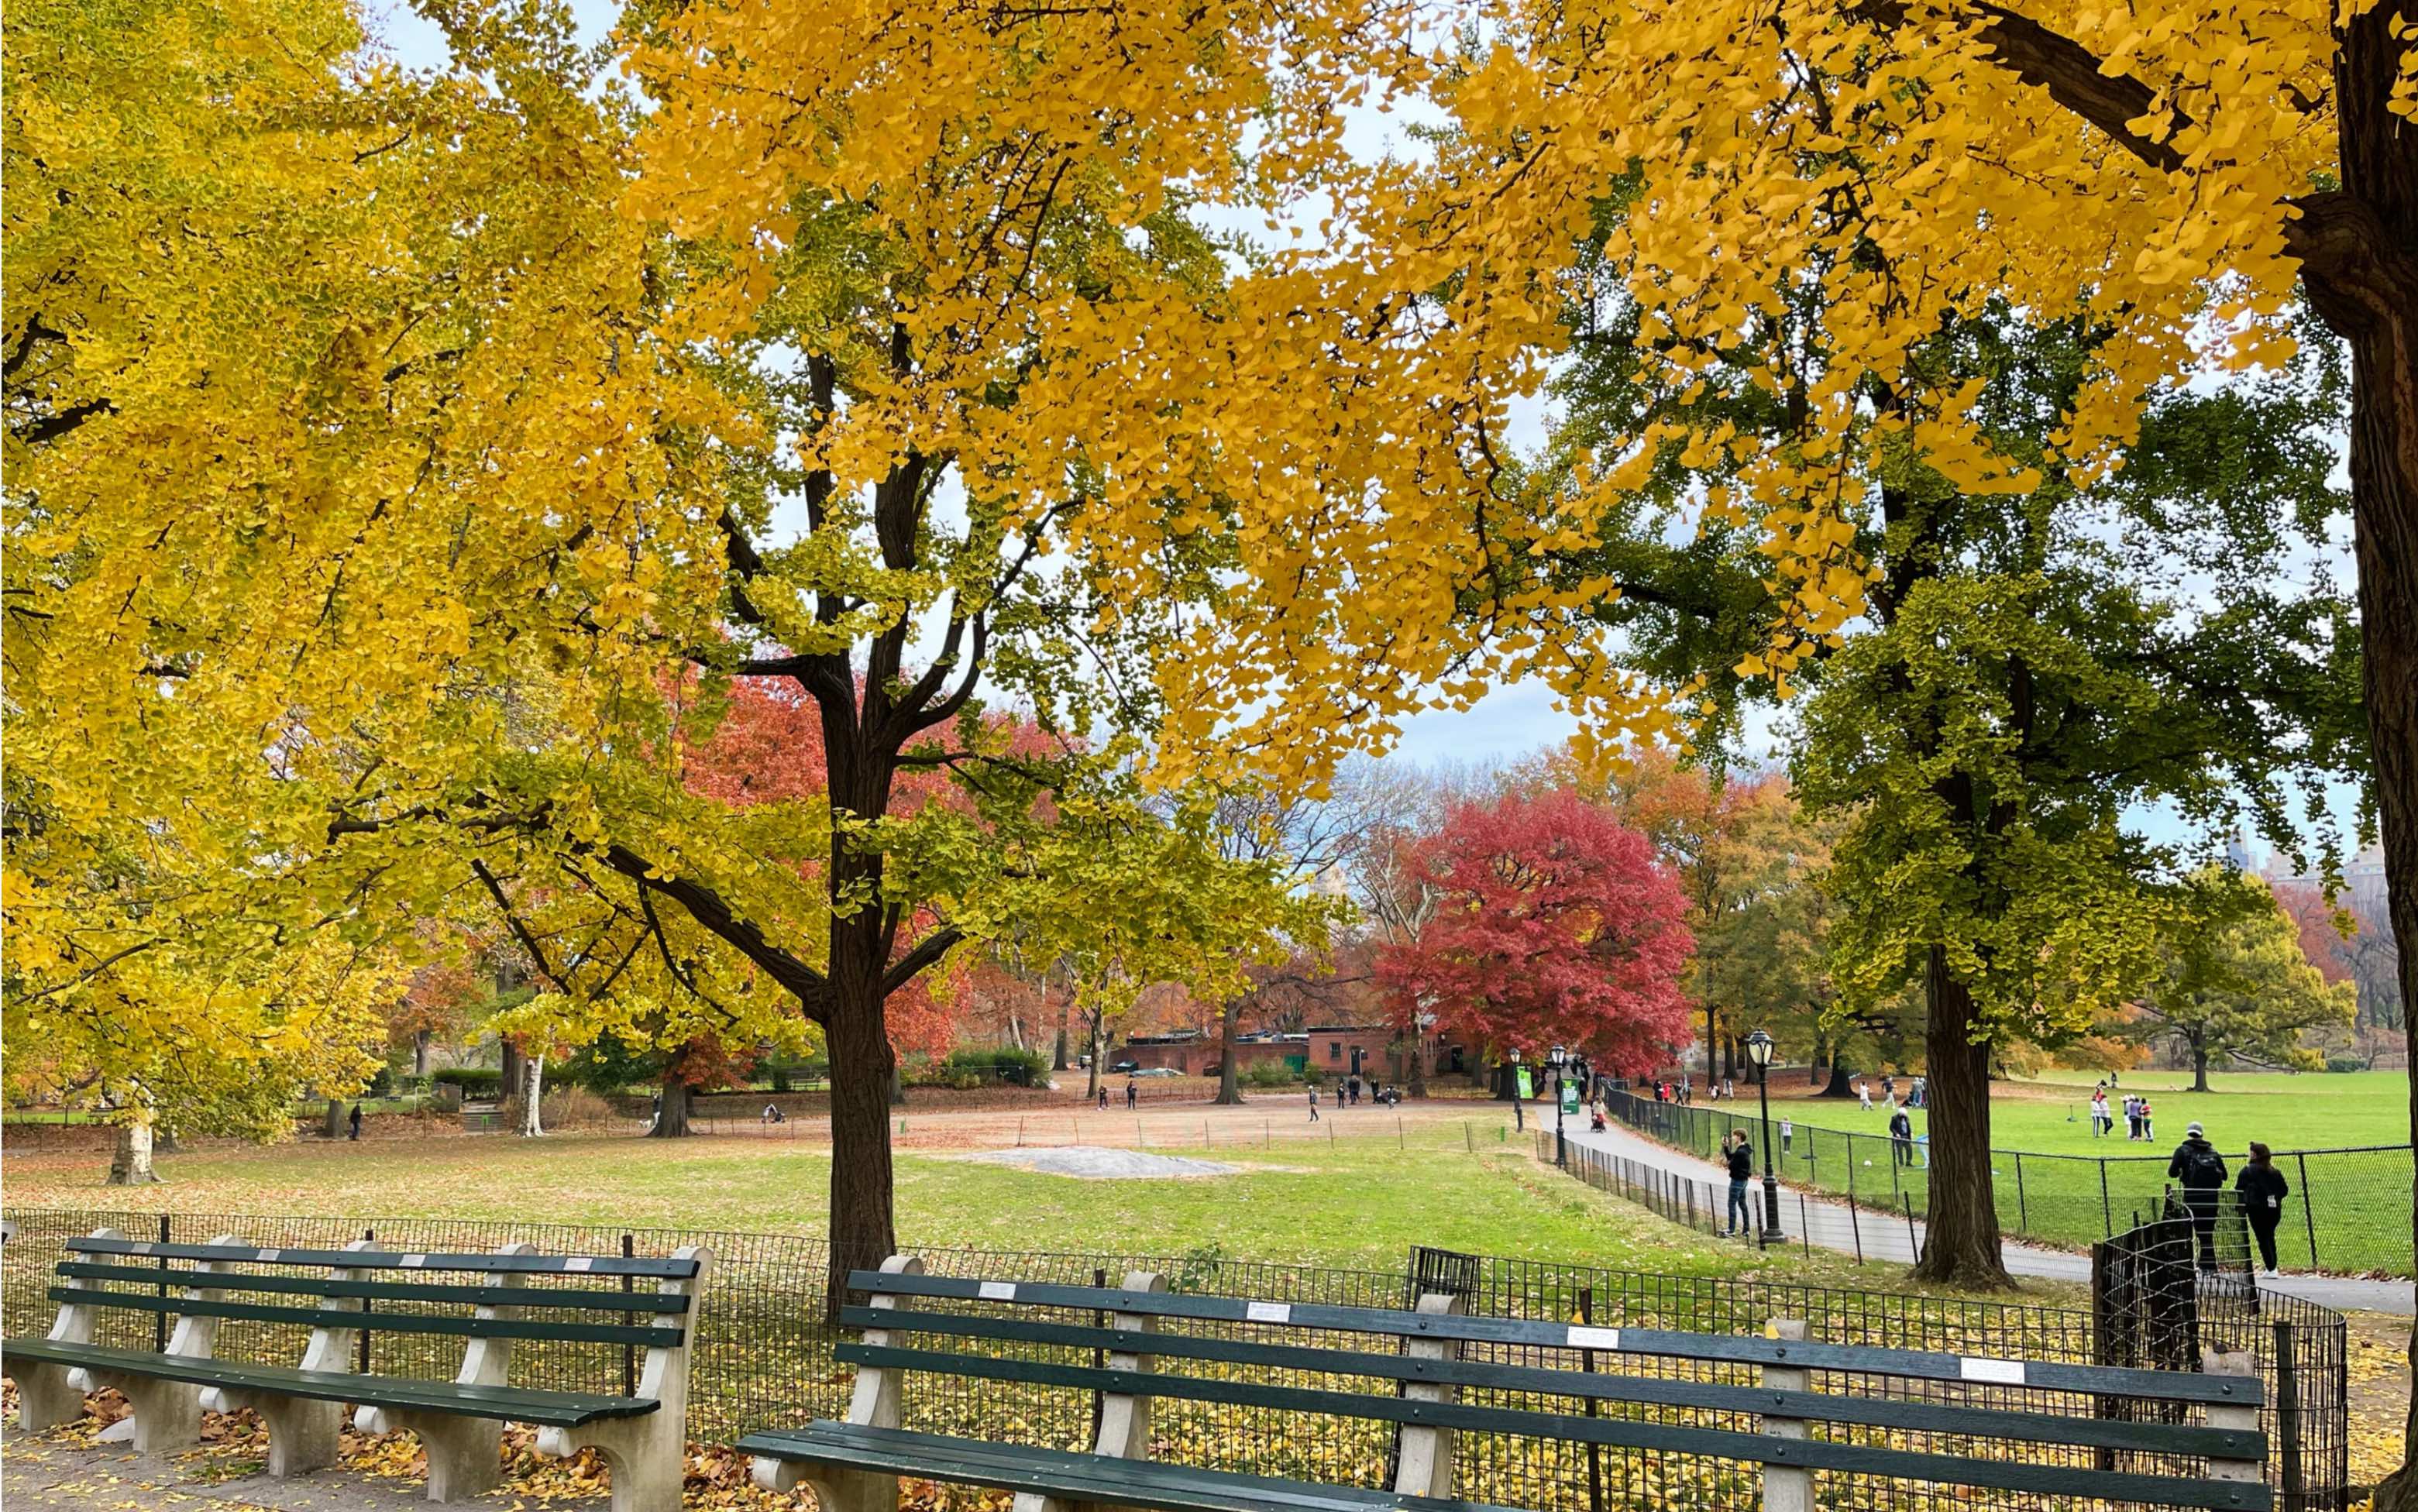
column 1358, row 1204
column 2358, row 1212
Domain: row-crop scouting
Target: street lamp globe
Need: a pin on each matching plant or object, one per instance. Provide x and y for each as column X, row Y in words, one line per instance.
column 1758, row 1050
column 1559, row 1054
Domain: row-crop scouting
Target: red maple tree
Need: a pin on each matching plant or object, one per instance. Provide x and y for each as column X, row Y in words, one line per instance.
column 1553, row 924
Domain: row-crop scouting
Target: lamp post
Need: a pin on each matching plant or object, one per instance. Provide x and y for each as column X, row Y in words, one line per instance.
column 1561, row 1141
column 1758, row 1050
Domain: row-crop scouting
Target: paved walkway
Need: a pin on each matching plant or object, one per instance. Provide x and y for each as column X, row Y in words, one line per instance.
column 40, row 1473
column 1835, row 1225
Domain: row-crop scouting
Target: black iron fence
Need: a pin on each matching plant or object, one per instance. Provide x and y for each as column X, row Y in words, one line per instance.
column 2349, row 1211
column 763, row 1353
column 2184, row 1282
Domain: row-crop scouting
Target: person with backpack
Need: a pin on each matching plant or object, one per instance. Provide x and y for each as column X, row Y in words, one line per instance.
column 2261, row 1189
column 1740, row 1156
column 2200, row 1171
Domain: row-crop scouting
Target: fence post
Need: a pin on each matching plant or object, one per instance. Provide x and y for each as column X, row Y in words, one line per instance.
column 1586, row 1362
column 1804, row 1227
column 630, row 1352
column 2023, row 1209
column 2106, row 1210
column 1912, row 1242
column 2309, row 1207
column 369, row 1236
column 160, row 1320
column 2287, row 1416
column 1786, row 1488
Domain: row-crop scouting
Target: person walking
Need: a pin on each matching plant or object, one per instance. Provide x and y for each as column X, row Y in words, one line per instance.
column 1104, row 1097
column 1863, row 1098
column 1313, row 1104
column 1787, row 1131
column 1742, row 1163
column 1902, row 1138
column 2200, row 1171
column 2149, row 1123
column 2131, row 1117
column 357, row 1121
column 2261, row 1189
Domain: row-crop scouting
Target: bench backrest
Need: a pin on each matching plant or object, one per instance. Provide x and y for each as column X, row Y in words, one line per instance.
column 490, row 1293
column 1424, row 1356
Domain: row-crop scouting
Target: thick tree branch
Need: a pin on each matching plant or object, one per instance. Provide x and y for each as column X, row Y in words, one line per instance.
column 2063, row 67
column 716, row 915
column 925, row 953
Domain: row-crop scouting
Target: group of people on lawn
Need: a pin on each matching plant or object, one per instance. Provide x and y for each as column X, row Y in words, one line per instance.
column 2139, row 1120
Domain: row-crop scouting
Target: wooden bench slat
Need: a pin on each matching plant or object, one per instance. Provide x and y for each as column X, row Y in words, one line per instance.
column 320, row 1286
column 460, row 1325
column 1937, row 1417
column 2105, row 1381
column 545, row 1408
column 1815, row 1454
column 396, row 1260
column 1077, row 1476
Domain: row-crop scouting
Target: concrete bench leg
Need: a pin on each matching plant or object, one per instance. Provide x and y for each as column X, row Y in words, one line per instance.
column 835, row 1490
column 167, row 1414
column 466, row 1455
column 303, row 1436
column 644, row 1455
column 45, row 1395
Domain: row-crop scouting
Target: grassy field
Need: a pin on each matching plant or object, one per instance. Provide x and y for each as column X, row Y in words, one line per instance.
column 2356, row 1216
column 1356, row 1204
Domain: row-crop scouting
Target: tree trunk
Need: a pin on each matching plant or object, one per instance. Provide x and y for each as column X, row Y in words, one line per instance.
column 1962, row 1247
column 2199, row 1065
column 863, row 1232
column 506, row 1083
column 1058, row 1058
column 1418, row 1067
column 131, row 1163
column 1842, row 1082
column 2360, row 270
column 898, row 1088
column 531, row 1093
column 1092, row 1036
column 419, row 1053
column 671, row 1120
column 331, row 1119
column 1230, row 1081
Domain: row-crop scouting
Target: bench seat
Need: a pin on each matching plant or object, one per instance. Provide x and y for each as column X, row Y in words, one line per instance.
column 1072, row 1476
column 539, row 1409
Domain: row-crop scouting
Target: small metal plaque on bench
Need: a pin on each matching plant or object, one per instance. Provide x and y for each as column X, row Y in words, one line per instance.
column 415, row 1260
column 1595, row 1338
column 268, row 1254
column 1268, row 1312
column 998, row 1290
column 1999, row 1372
column 579, row 1262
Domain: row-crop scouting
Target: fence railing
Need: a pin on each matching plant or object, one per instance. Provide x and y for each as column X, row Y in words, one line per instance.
column 2349, row 1211
column 763, row 1354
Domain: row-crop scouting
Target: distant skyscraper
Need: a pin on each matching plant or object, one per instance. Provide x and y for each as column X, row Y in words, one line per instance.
column 2238, row 854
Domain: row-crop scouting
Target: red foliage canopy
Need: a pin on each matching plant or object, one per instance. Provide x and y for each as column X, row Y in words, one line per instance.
column 1555, row 926
column 768, row 748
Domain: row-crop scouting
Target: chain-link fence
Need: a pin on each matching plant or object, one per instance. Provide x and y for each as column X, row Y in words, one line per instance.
column 763, row 1355
column 2348, row 1211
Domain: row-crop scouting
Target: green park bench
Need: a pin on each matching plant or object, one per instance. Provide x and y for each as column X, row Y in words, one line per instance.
column 1419, row 1364
column 460, row 1422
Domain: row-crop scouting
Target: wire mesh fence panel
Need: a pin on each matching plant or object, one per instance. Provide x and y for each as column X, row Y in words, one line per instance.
column 763, row 1352
column 2348, row 1210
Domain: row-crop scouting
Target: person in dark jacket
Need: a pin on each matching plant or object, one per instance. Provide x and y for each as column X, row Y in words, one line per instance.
column 1902, row 1138
column 1740, row 1156
column 2263, row 1189
column 357, row 1121
column 2199, row 1170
